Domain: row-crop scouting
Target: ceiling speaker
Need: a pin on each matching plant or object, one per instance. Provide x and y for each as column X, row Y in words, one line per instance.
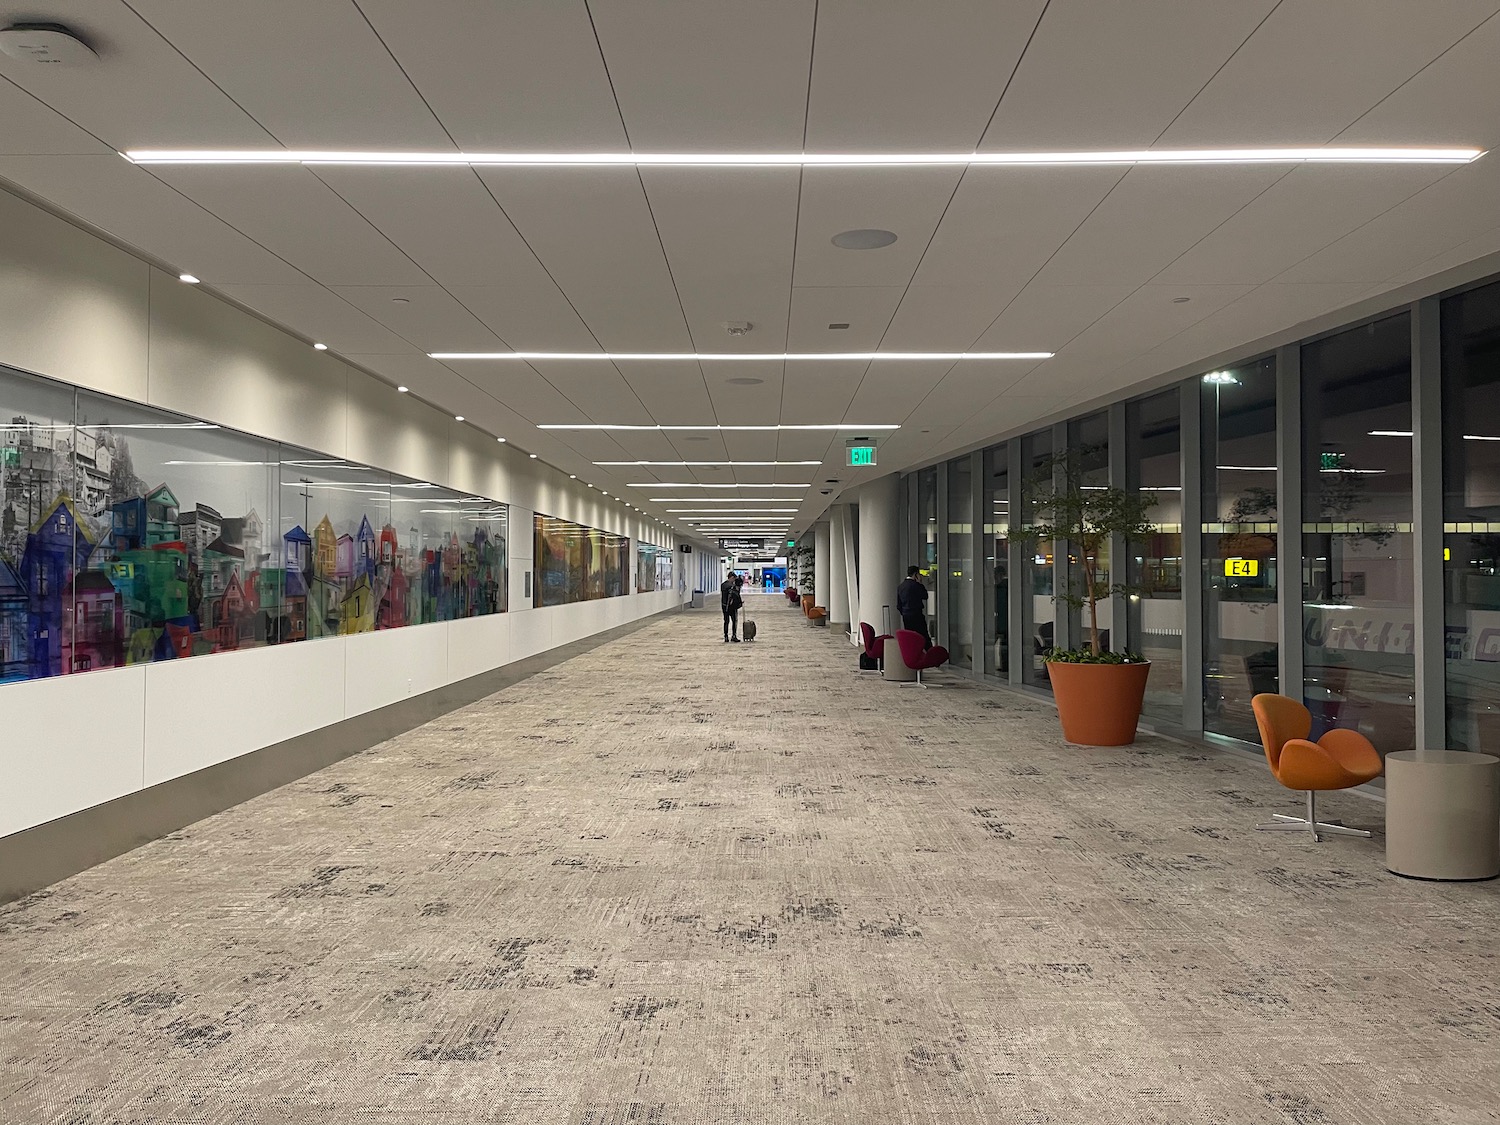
column 48, row 44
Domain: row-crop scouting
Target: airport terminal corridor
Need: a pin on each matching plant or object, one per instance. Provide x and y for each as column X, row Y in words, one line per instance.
column 679, row 882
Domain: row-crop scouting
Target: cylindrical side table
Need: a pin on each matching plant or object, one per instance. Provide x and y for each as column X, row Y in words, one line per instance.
column 1442, row 814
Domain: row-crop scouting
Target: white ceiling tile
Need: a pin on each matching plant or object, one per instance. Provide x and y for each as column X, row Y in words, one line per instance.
column 425, row 315
column 673, row 393
column 1145, row 319
column 1294, row 218
column 891, row 388
column 32, row 129
column 948, row 318
column 295, row 215
column 329, row 84
column 906, row 201
column 867, row 310
column 598, row 388
column 130, row 204
column 529, row 318
column 967, row 388
column 740, row 405
column 320, row 315
column 892, row 76
column 522, row 390
column 1314, row 66
column 142, row 93
column 444, row 219
column 702, row 77
column 1114, row 75
column 1050, row 315
column 1446, row 214
column 728, row 237
column 1004, row 223
column 515, row 77
column 593, row 231
column 1452, row 101
column 1150, row 219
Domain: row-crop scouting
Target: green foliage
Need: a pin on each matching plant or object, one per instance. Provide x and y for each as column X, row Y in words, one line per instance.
column 1089, row 656
column 1082, row 520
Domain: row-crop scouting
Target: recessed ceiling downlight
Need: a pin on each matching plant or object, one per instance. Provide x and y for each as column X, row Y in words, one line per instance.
column 745, row 381
column 865, row 238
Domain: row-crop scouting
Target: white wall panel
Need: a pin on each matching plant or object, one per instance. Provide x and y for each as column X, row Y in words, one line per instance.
column 397, row 432
column 212, row 361
column 71, row 306
column 212, row 708
column 477, row 644
column 70, row 742
column 388, row 666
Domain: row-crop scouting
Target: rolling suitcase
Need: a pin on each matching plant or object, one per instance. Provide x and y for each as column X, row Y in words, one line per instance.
column 747, row 629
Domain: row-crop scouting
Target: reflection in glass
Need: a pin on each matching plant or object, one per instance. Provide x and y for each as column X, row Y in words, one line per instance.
column 1357, row 580
column 960, row 577
column 1240, row 649
column 995, row 544
column 1153, row 463
column 1471, row 517
column 1037, row 607
column 1088, row 437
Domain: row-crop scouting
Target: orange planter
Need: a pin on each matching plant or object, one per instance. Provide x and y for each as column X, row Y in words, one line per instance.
column 1099, row 704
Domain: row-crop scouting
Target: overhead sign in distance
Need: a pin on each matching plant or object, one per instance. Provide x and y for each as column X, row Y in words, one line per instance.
column 1241, row 568
column 861, row 455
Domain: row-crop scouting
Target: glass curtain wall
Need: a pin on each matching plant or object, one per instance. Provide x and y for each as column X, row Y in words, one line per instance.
column 960, row 575
column 1471, row 517
column 996, row 549
column 927, row 538
column 1153, row 465
column 1357, row 551
column 1088, row 437
column 1037, row 607
column 1240, row 649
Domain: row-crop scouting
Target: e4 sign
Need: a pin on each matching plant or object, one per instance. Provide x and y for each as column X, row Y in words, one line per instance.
column 861, row 455
column 1241, row 568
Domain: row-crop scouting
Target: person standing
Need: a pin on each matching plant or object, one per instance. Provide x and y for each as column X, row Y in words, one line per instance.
column 911, row 604
column 730, row 602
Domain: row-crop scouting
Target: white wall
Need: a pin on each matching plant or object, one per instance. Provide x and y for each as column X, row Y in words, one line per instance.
column 77, row 309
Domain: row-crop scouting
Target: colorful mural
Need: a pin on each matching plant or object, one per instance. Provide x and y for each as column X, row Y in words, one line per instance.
column 576, row 563
column 99, row 569
column 653, row 568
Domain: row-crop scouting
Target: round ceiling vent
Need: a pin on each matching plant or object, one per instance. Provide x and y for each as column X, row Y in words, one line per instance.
column 864, row 239
column 745, row 380
column 48, row 44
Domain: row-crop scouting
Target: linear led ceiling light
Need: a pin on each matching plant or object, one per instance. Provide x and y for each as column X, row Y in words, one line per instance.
column 721, row 499
column 775, row 357
column 837, row 426
column 694, row 484
column 1323, row 154
column 700, row 464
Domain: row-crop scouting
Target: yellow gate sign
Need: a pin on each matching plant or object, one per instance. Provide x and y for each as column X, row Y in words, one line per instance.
column 1241, row 568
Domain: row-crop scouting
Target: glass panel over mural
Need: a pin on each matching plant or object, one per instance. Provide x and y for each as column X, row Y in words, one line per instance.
column 1359, row 670
column 996, row 547
column 573, row 563
column 130, row 535
column 927, row 539
column 1240, row 648
column 653, row 568
column 1471, row 517
column 1037, row 606
column 1153, row 463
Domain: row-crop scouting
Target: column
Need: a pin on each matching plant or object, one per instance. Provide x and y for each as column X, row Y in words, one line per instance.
column 879, row 565
column 822, row 565
column 838, row 577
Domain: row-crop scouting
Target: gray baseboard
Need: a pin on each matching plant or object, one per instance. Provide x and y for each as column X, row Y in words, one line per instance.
column 37, row 857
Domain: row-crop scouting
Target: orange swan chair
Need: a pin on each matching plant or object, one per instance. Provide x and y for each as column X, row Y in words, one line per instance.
column 1341, row 759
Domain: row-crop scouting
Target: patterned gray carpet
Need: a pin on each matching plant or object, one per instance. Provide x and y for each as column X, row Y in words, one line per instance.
column 678, row 882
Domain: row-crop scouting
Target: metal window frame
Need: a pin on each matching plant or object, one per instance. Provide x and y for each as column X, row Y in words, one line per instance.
column 1015, row 587
column 1428, row 636
column 1190, row 407
column 1119, row 562
column 1289, row 561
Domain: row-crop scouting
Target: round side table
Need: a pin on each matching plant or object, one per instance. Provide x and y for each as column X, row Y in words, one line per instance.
column 1442, row 814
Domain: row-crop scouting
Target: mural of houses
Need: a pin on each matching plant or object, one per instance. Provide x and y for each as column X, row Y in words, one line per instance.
column 14, row 650
column 364, row 549
column 325, row 549
column 197, row 529
column 57, row 546
column 144, row 521
column 96, row 637
column 345, row 568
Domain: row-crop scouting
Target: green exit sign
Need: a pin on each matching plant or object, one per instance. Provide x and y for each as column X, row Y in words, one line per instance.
column 861, row 455
column 1332, row 462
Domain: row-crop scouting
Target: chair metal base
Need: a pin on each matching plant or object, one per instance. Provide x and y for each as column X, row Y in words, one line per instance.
column 919, row 682
column 1309, row 823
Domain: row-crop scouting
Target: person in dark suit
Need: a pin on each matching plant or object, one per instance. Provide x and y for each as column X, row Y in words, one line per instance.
column 730, row 602
column 911, row 604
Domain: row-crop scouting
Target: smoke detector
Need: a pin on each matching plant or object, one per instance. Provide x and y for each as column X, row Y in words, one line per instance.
column 50, row 44
column 737, row 327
